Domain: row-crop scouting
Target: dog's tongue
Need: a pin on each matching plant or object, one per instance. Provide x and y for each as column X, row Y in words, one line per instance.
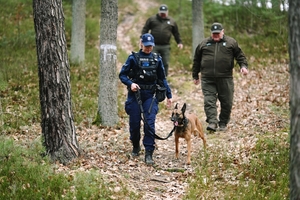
column 176, row 123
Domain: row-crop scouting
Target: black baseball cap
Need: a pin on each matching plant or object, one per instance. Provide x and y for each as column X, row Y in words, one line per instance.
column 163, row 8
column 216, row 27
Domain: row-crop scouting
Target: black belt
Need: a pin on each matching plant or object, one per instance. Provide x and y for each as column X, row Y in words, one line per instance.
column 146, row 87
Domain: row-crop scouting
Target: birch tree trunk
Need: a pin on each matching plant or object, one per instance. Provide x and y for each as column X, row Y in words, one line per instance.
column 58, row 130
column 107, row 100
column 78, row 31
column 198, row 23
column 294, row 52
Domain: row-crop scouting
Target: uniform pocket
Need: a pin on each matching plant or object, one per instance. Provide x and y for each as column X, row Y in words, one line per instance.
column 128, row 106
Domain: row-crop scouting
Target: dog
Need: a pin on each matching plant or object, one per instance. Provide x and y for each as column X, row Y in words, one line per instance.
column 184, row 126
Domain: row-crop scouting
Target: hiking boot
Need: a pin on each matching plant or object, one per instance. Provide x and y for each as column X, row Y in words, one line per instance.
column 222, row 127
column 136, row 151
column 148, row 157
column 212, row 127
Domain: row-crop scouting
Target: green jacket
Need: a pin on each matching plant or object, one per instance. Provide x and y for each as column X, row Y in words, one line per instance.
column 216, row 59
column 162, row 29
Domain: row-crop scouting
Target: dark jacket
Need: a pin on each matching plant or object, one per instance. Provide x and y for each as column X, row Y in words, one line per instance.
column 162, row 29
column 216, row 59
column 132, row 65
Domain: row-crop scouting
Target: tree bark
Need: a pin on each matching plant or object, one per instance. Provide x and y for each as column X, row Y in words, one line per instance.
column 59, row 136
column 198, row 24
column 78, row 31
column 294, row 52
column 107, row 103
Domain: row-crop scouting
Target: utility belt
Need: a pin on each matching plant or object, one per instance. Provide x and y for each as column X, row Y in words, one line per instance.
column 158, row 91
column 152, row 88
column 146, row 87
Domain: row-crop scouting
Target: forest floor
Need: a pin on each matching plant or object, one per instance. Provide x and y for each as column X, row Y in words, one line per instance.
column 109, row 149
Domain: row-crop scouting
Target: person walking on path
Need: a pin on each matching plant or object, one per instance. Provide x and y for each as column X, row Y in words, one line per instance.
column 141, row 73
column 214, row 59
column 162, row 27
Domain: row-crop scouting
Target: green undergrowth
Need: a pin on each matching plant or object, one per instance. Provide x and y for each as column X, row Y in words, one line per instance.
column 260, row 172
column 25, row 174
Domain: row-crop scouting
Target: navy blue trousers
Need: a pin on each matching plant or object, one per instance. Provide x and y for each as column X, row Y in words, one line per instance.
column 132, row 108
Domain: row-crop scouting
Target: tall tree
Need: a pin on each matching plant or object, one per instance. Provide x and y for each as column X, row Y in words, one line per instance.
column 59, row 136
column 78, row 31
column 107, row 100
column 294, row 52
column 198, row 23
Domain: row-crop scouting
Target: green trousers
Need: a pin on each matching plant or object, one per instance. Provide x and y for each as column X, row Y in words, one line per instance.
column 214, row 89
column 164, row 52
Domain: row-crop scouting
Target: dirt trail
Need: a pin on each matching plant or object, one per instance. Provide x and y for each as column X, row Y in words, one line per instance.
column 155, row 182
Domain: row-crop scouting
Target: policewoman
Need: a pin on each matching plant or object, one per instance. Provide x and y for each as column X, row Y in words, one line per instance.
column 141, row 73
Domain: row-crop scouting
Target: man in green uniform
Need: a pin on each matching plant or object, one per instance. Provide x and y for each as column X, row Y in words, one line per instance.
column 214, row 59
column 162, row 27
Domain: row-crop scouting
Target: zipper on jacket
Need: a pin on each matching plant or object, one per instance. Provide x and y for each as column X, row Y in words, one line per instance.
column 215, row 57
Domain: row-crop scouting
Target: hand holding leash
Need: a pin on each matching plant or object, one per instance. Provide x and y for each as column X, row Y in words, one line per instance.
column 169, row 103
column 134, row 87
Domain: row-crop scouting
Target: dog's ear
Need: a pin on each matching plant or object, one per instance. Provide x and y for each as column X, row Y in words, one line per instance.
column 173, row 112
column 183, row 108
column 176, row 106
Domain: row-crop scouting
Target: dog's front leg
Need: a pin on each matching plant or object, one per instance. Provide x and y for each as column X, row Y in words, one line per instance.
column 176, row 146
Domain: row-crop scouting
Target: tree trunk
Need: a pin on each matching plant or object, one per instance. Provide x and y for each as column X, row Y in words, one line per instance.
column 59, row 136
column 294, row 52
column 107, row 103
column 198, row 24
column 78, row 31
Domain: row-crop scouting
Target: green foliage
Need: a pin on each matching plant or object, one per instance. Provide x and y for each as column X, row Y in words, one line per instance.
column 260, row 173
column 24, row 174
column 267, row 174
column 262, row 33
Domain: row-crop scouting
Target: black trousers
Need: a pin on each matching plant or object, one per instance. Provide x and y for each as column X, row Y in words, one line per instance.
column 214, row 89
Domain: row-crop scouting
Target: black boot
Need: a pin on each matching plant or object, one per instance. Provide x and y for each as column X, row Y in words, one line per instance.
column 148, row 157
column 136, row 150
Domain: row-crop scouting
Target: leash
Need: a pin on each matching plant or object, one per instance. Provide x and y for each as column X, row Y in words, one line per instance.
column 138, row 98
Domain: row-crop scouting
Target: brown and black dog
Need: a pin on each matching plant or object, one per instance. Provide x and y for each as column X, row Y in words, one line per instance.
column 186, row 125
